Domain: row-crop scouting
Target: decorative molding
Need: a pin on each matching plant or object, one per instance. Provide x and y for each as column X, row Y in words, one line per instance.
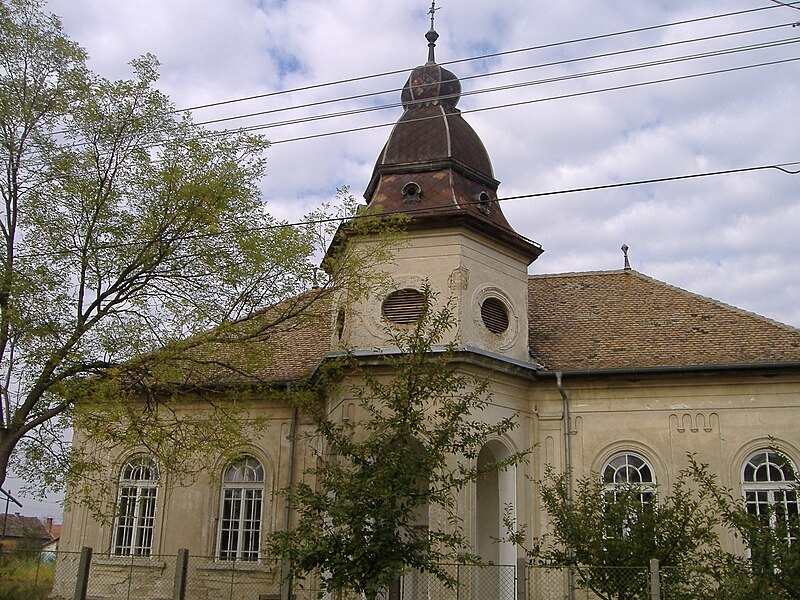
column 699, row 422
column 507, row 339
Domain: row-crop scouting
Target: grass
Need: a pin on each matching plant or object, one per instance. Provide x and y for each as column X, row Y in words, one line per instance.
column 24, row 576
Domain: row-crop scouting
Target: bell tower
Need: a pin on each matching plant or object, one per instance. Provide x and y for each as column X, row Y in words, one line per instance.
column 435, row 169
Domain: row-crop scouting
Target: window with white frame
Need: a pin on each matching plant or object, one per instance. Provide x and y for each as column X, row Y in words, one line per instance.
column 240, row 510
column 627, row 469
column 136, row 508
column 769, row 485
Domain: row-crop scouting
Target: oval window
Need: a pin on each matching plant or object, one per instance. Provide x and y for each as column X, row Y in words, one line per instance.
column 494, row 315
column 404, row 307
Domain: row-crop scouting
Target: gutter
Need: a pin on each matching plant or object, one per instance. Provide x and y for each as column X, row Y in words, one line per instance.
column 286, row 580
column 748, row 366
column 533, row 371
column 568, row 473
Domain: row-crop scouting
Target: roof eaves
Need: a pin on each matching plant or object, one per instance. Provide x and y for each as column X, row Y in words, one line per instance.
column 773, row 367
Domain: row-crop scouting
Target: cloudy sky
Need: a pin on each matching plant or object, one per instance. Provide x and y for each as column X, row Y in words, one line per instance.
column 565, row 95
column 732, row 237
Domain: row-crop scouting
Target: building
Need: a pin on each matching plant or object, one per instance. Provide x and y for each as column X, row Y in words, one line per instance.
column 26, row 533
column 610, row 372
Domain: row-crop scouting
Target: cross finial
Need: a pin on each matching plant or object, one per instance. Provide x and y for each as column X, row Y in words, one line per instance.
column 432, row 11
column 432, row 36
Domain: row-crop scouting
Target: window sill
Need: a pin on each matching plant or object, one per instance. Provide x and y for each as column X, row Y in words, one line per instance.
column 240, row 566
column 128, row 561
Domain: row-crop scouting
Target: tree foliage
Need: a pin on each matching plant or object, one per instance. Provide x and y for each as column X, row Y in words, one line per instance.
column 610, row 536
column 126, row 231
column 771, row 568
column 381, row 500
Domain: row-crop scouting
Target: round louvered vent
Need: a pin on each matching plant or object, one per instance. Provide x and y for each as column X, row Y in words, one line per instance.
column 494, row 315
column 403, row 307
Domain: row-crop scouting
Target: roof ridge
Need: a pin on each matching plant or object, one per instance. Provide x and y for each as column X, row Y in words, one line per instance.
column 578, row 273
column 721, row 304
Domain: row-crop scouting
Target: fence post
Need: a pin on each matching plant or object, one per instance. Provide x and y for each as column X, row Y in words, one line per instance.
column 82, row 584
column 181, row 569
column 655, row 580
column 522, row 578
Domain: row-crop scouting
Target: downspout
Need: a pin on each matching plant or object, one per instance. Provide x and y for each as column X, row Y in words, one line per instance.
column 568, row 473
column 286, row 580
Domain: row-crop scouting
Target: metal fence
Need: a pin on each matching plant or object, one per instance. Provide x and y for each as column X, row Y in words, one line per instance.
column 590, row 583
column 26, row 575
column 71, row 575
column 166, row 577
column 68, row 576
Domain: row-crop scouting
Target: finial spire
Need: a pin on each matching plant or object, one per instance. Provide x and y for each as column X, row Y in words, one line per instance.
column 624, row 249
column 432, row 36
column 432, row 12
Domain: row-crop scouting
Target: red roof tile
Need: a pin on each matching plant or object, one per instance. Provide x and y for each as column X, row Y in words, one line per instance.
column 623, row 319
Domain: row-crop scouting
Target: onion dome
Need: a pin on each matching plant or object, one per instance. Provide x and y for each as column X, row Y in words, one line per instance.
column 434, row 167
column 430, row 83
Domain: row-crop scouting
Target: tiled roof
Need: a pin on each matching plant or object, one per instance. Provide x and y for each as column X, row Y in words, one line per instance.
column 577, row 321
column 18, row 526
column 623, row 320
column 254, row 350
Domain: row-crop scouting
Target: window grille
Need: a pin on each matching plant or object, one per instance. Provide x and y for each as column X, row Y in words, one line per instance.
column 136, row 508
column 240, row 510
column 494, row 315
column 404, row 307
column 769, row 485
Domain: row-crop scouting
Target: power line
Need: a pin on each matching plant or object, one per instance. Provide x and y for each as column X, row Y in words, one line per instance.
column 786, row 4
column 783, row 167
column 337, row 114
column 562, row 62
column 352, row 112
column 611, row 70
column 537, row 100
column 628, row 67
column 483, row 57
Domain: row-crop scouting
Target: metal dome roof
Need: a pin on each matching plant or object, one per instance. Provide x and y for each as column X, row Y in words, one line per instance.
column 434, row 167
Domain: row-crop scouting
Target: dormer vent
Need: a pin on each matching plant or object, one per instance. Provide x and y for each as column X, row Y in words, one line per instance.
column 411, row 193
column 484, row 202
column 404, row 307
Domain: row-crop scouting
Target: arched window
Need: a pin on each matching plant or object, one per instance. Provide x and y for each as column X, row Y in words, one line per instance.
column 136, row 508
column 769, row 485
column 240, row 510
column 627, row 469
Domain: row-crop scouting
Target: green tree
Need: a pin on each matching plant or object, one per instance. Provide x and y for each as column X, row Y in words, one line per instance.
column 126, row 231
column 381, row 500
column 608, row 536
column 771, row 568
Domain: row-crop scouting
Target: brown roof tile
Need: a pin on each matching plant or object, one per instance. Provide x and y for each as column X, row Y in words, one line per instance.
column 623, row 319
column 254, row 350
column 19, row 526
column 577, row 321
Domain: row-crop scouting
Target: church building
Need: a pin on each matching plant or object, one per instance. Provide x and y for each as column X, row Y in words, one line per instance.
column 607, row 372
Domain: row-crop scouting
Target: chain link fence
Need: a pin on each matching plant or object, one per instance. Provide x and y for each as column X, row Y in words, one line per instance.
column 26, row 575
column 588, row 583
column 495, row 582
column 58, row 576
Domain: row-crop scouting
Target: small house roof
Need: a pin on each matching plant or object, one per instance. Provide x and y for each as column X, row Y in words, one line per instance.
column 17, row 526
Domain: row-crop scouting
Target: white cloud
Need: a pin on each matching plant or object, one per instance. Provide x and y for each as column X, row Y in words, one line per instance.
column 730, row 237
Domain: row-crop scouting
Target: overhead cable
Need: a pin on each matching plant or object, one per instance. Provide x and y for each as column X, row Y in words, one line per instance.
column 486, row 56
column 783, row 167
